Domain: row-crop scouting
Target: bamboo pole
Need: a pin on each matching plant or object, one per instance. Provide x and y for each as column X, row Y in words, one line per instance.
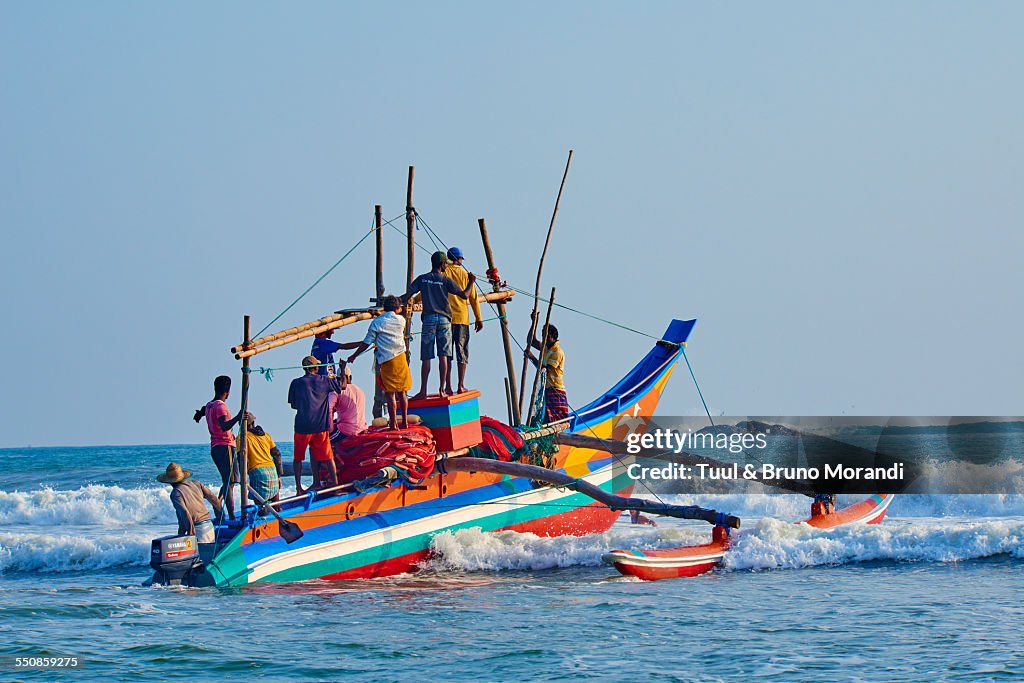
column 540, row 357
column 242, row 456
column 290, row 331
column 350, row 318
column 410, row 245
column 536, row 289
column 378, row 392
column 508, row 403
column 506, row 341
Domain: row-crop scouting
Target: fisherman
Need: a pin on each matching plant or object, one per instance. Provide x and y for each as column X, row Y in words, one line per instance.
column 308, row 396
column 460, row 317
column 556, row 404
column 387, row 332
column 222, row 440
column 347, row 409
column 264, row 461
column 434, row 288
column 323, row 350
column 187, row 498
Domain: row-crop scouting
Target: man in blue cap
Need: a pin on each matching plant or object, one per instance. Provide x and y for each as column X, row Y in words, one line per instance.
column 460, row 316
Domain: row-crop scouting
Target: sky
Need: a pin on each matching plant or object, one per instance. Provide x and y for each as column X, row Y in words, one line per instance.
column 832, row 190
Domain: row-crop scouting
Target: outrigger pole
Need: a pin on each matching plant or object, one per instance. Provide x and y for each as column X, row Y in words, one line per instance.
column 536, row 290
column 562, row 480
column 510, row 366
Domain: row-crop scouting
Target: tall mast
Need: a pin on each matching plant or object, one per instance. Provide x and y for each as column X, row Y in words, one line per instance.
column 410, row 240
column 378, row 392
column 536, row 289
column 510, row 366
column 241, row 458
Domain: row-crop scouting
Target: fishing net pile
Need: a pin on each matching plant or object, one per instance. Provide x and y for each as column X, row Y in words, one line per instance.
column 501, row 442
column 410, row 451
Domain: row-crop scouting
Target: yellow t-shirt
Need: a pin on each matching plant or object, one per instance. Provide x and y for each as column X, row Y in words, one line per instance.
column 554, row 362
column 460, row 312
column 258, row 450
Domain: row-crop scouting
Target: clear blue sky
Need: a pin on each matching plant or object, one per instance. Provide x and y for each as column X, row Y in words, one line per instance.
column 833, row 190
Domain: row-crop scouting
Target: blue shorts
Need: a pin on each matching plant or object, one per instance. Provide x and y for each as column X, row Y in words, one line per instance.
column 437, row 331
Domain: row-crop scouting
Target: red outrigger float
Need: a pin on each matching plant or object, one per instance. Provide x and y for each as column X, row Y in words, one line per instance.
column 674, row 563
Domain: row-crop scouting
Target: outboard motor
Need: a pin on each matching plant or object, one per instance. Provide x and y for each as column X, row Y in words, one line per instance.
column 174, row 559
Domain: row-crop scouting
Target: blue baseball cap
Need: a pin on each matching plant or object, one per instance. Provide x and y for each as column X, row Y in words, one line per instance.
column 454, row 254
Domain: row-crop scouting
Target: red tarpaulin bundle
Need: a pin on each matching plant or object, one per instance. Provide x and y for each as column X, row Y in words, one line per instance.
column 411, row 451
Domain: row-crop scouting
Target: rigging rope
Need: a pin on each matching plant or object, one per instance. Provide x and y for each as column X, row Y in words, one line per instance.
column 320, row 279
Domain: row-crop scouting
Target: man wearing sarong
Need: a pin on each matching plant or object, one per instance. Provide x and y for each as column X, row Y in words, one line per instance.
column 556, row 404
column 387, row 332
column 264, row 461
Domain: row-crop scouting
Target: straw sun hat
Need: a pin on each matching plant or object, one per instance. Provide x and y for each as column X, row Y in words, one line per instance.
column 174, row 474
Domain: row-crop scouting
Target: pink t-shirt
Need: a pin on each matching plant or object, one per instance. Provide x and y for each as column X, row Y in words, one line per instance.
column 215, row 410
column 350, row 405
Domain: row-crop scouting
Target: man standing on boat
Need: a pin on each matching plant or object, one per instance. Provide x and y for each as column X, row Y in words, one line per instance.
column 556, row 404
column 187, row 498
column 308, row 395
column 434, row 288
column 387, row 334
column 222, row 440
column 460, row 317
column 264, row 461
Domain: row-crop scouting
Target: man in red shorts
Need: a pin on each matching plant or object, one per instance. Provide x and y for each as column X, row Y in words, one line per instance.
column 309, row 395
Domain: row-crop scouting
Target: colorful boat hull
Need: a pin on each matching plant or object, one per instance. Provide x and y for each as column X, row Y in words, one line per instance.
column 389, row 531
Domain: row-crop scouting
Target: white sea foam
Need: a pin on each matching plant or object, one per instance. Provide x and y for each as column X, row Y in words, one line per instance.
column 110, row 506
column 773, row 544
column 763, row 544
column 27, row 552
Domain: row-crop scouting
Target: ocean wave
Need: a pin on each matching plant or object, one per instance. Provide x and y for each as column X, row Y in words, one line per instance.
column 89, row 505
column 772, row 544
column 766, row 544
column 65, row 553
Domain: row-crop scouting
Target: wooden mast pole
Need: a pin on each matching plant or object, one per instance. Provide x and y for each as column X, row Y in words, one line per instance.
column 378, row 393
column 506, row 339
column 410, row 241
column 536, row 289
column 241, row 459
column 540, row 357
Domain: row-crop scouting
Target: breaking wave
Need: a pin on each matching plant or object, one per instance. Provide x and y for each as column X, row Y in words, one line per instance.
column 765, row 543
column 111, row 506
column 65, row 552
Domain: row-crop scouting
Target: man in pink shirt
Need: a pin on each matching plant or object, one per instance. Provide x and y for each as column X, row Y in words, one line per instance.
column 222, row 440
column 348, row 408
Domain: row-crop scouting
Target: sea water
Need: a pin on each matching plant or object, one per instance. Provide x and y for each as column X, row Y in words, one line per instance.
column 932, row 594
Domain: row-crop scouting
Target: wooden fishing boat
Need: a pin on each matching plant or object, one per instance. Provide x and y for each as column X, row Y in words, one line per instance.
column 384, row 525
column 673, row 563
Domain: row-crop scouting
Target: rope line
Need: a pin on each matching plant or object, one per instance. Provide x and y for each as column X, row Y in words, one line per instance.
column 320, row 279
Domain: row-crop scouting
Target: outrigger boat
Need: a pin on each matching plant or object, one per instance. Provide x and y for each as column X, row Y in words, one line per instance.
column 566, row 477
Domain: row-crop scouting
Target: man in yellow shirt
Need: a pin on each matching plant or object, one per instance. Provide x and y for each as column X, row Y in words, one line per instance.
column 460, row 316
column 552, row 359
column 264, row 461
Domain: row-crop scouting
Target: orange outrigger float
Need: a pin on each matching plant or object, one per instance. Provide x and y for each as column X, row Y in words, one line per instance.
column 674, row 563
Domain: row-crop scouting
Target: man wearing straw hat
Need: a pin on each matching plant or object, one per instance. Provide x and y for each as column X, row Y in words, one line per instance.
column 187, row 497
